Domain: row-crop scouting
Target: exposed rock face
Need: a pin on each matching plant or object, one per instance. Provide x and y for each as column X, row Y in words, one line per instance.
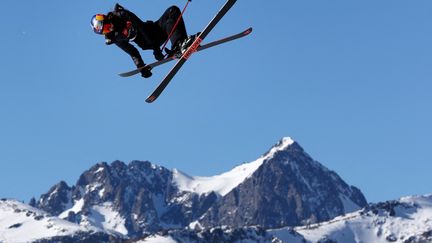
column 289, row 189
column 57, row 199
column 137, row 198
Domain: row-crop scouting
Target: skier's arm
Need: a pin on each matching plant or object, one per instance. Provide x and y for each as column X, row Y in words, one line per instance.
column 133, row 52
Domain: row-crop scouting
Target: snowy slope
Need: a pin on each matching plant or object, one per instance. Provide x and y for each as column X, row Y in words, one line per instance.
column 22, row 223
column 102, row 216
column 157, row 239
column 408, row 219
column 218, row 234
column 224, row 183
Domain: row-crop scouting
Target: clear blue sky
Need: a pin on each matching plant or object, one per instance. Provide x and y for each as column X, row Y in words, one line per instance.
column 349, row 80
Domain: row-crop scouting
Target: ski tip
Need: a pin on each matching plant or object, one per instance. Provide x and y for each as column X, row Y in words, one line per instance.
column 150, row 99
column 248, row 31
column 128, row 74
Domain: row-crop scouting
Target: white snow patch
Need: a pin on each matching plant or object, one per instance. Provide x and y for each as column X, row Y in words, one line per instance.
column 92, row 187
column 77, row 207
column 224, row 183
column 285, row 235
column 283, row 144
column 22, row 223
column 221, row 184
column 195, row 225
column 100, row 169
column 158, row 239
column 101, row 192
column 412, row 220
column 104, row 216
column 52, row 193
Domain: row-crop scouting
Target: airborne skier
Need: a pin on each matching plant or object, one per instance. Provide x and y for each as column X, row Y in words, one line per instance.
column 121, row 26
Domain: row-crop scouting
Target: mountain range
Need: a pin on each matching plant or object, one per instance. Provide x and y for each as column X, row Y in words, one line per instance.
column 283, row 196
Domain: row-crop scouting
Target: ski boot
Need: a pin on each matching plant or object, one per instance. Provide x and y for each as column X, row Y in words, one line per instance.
column 188, row 42
column 180, row 47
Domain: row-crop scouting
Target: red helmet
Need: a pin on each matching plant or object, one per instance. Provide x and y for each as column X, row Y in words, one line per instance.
column 100, row 25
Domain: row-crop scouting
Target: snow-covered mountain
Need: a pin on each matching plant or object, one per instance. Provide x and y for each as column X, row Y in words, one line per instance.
column 141, row 198
column 20, row 222
column 299, row 189
column 283, row 196
column 406, row 220
column 128, row 200
column 222, row 184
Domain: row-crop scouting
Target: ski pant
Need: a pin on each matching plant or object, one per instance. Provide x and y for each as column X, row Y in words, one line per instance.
column 167, row 21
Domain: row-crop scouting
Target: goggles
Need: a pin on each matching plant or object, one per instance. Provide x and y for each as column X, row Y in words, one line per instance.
column 98, row 25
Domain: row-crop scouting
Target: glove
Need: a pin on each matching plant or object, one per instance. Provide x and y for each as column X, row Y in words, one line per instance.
column 158, row 54
column 118, row 7
column 146, row 72
column 109, row 38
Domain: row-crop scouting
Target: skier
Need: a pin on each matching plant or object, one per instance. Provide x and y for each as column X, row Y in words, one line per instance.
column 121, row 26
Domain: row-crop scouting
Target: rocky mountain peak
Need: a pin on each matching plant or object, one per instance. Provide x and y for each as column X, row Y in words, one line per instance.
column 141, row 197
column 300, row 190
column 283, row 144
column 56, row 199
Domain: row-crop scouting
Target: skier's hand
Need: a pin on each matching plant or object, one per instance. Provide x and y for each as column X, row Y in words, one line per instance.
column 118, row 7
column 146, row 72
column 158, row 54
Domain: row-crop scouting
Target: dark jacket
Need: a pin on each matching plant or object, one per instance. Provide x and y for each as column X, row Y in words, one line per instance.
column 147, row 35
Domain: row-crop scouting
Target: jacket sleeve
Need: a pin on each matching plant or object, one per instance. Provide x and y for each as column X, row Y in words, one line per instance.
column 133, row 52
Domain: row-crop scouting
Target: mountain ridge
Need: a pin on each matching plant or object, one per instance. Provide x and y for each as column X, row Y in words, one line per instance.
column 407, row 219
column 143, row 198
column 236, row 175
column 282, row 196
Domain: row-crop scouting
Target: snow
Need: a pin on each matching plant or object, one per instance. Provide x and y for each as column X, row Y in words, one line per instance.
column 104, row 216
column 99, row 170
column 283, row 144
column 409, row 217
column 22, row 223
column 101, row 192
column 158, row 239
column 285, row 235
column 77, row 207
column 93, row 187
column 412, row 220
column 52, row 193
column 224, row 183
column 195, row 225
column 221, row 184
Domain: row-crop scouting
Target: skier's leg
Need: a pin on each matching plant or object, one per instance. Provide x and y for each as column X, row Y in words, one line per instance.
column 167, row 22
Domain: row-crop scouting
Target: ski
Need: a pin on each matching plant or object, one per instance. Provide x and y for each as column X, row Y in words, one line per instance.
column 200, row 48
column 190, row 51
